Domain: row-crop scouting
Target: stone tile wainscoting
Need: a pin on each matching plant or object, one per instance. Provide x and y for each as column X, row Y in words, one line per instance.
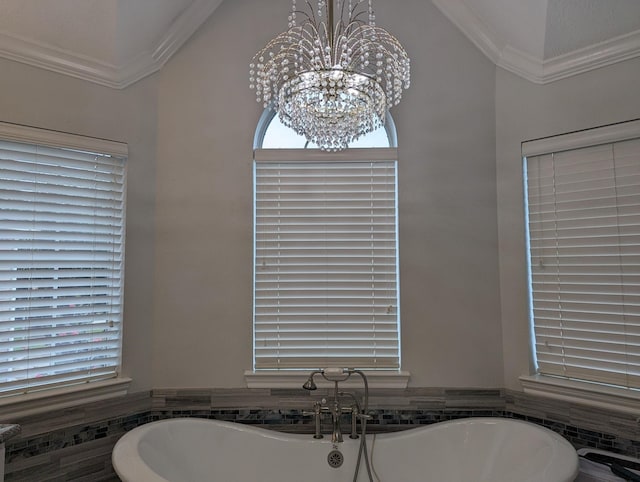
column 75, row 444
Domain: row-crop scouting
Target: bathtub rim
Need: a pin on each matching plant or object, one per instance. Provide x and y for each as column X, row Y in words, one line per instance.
column 126, row 450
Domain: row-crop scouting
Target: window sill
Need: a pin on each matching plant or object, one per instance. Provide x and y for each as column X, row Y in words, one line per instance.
column 296, row 378
column 591, row 394
column 18, row 406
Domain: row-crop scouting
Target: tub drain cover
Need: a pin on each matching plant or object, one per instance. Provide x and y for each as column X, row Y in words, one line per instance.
column 335, row 458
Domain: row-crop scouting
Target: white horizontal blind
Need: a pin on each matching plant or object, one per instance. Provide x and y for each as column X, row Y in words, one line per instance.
column 61, row 266
column 326, row 289
column 584, row 236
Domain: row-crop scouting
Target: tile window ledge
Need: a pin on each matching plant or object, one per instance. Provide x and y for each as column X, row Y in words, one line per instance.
column 18, row 406
column 592, row 394
column 295, row 379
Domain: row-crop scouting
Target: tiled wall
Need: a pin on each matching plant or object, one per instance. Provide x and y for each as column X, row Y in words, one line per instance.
column 583, row 426
column 76, row 444
column 73, row 444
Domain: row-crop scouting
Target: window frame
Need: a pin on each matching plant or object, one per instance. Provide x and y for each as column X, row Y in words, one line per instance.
column 72, row 394
column 293, row 378
column 269, row 114
column 591, row 393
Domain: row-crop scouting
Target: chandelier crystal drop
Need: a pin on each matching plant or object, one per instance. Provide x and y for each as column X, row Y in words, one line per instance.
column 331, row 78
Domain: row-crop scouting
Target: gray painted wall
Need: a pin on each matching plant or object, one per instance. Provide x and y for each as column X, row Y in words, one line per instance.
column 526, row 111
column 450, row 309
column 43, row 99
column 189, row 237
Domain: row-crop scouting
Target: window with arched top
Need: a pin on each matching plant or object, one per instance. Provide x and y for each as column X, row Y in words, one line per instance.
column 325, row 252
column 273, row 134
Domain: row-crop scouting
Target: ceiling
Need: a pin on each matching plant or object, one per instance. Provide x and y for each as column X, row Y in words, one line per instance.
column 547, row 40
column 110, row 42
column 117, row 42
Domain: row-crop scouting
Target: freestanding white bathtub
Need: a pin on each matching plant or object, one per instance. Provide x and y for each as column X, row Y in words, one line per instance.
column 466, row 450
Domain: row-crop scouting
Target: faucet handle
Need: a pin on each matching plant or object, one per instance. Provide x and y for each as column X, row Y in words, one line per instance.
column 317, row 408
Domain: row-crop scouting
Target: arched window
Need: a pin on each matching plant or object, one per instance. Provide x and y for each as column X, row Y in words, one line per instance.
column 325, row 252
column 273, row 134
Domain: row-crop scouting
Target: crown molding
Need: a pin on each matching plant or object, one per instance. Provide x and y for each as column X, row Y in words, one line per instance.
column 471, row 25
column 56, row 60
column 528, row 66
column 92, row 70
column 183, row 28
column 593, row 57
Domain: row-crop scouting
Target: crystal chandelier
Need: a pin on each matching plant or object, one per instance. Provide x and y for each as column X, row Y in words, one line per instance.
column 331, row 78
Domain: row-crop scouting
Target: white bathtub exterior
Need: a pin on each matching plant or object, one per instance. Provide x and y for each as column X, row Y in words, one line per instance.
column 466, row 450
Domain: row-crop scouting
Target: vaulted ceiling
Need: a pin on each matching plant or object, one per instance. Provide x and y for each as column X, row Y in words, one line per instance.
column 117, row 42
column 109, row 42
column 547, row 40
